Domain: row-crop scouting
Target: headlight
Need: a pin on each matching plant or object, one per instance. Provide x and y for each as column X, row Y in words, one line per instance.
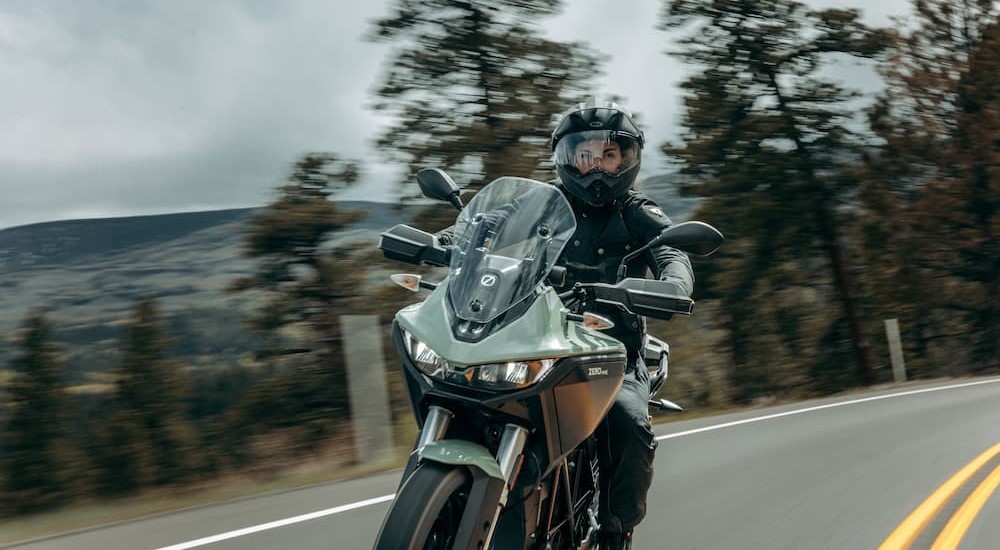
column 511, row 375
column 507, row 376
column 426, row 359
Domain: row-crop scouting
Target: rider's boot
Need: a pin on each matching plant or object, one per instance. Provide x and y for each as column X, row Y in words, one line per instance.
column 607, row 540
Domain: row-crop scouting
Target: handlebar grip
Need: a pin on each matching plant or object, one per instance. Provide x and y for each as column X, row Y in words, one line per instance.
column 643, row 297
column 408, row 244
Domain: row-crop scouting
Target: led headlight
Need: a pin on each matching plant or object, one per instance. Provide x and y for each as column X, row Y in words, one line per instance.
column 426, row 359
column 509, row 375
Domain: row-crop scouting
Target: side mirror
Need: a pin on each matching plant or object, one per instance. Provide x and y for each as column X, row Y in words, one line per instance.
column 437, row 184
column 696, row 238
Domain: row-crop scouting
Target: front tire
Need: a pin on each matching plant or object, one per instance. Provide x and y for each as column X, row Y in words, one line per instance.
column 427, row 510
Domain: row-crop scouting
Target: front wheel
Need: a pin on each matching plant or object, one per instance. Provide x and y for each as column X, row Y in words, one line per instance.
column 427, row 510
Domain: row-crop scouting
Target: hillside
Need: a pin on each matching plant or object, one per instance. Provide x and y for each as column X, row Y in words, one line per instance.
column 88, row 274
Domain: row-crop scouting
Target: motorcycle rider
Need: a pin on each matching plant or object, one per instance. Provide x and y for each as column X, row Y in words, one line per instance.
column 597, row 149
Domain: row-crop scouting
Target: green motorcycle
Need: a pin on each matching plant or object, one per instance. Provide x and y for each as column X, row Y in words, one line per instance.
column 510, row 380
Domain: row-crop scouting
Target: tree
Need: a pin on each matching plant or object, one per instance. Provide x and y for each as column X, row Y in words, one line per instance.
column 931, row 195
column 473, row 86
column 769, row 143
column 969, row 206
column 149, row 437
column 37, row 460
column 304, row 284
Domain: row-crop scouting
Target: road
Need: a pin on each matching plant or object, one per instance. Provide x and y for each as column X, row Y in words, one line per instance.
column 827, row 474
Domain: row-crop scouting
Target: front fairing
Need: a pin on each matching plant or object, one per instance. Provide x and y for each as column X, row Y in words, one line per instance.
column 542, row 331
column 566, row 404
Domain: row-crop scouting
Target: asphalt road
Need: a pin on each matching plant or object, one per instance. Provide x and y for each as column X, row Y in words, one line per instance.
column 830, row 474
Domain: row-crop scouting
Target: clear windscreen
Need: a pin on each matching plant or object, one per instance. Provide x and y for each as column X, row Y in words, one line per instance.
column 506, row 241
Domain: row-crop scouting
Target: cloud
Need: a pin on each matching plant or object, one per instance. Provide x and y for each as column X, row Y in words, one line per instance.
column 120, row 106
column 139, row 106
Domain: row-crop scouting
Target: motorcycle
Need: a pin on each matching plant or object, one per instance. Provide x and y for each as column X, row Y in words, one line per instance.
column 510, row 380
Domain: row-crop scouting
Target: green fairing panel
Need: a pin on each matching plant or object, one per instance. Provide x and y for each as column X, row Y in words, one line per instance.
column 461, row 453
column 541, row 333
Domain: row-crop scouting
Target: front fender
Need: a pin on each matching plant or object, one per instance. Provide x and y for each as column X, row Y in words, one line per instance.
column 458, row 452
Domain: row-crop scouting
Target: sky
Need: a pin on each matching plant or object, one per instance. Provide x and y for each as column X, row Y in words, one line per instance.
column 131, row 107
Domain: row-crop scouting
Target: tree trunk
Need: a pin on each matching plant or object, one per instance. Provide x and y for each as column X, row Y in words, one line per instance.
column 831, row 242
column 848, row 298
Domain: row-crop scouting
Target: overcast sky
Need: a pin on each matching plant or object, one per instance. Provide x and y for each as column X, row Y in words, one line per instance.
column 111, row 108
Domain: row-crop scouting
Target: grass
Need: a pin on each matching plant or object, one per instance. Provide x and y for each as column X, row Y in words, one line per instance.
column 88, row 514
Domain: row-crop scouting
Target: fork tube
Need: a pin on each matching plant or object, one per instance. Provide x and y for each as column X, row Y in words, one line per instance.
column 511, row 446
column 435, row 425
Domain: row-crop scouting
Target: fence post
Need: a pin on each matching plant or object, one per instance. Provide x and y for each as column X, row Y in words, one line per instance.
column 369, row 397
column 895, row 350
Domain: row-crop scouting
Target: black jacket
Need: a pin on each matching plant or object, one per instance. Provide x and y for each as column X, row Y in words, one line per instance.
column 604, row 235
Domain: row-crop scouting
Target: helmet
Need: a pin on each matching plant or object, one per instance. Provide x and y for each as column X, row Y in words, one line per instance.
column 597, row 150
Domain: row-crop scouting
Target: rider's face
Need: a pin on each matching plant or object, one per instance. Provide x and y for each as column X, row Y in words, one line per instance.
column 606, row 155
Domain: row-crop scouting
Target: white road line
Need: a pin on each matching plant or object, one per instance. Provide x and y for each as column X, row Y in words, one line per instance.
column 276, row 524
column 384, row 498
column 821, row 407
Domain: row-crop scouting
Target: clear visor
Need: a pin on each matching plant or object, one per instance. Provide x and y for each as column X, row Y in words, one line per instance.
column 597, row 150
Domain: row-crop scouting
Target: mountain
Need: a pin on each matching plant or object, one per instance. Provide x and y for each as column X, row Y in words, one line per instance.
column 89, row 273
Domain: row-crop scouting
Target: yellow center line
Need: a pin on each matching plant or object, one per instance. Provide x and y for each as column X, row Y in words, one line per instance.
column 953, row 533
column 911, row 527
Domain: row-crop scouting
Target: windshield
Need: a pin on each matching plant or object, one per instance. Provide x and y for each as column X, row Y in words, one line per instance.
column 506, row 241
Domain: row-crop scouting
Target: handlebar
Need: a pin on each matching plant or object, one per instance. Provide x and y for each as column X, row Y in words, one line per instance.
column 640, row 296
column 644, row 297
column 413, row 246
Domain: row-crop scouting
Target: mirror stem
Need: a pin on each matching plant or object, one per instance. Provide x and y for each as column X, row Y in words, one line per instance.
column 455, row 200
column 628, row 258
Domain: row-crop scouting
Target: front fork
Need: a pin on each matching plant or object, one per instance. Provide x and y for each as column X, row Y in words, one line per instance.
column 509, row 454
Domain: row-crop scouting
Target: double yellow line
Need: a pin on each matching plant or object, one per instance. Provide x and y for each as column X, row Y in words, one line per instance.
column 950, row 537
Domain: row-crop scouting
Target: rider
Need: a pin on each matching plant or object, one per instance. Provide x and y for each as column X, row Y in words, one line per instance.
column 597, row 151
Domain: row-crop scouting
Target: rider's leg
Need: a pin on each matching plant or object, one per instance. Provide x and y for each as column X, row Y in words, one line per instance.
column 627, row 468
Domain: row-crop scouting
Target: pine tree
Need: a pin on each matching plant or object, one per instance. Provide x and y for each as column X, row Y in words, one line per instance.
column 931, row 195
column 473, row 86
column 304, row 286
column 769, row 143
column 150, row 403
column 36, row 462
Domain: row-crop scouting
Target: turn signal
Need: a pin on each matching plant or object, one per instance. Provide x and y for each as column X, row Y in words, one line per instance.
column 596, row 322
column 407, row 280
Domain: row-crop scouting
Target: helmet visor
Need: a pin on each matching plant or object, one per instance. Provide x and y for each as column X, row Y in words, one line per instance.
column 608, row 151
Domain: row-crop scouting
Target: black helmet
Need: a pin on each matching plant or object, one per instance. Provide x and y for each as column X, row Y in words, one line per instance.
column 597, row 150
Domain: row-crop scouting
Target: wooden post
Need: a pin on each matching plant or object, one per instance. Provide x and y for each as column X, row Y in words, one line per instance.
column 895, row 350
column 369, row 397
